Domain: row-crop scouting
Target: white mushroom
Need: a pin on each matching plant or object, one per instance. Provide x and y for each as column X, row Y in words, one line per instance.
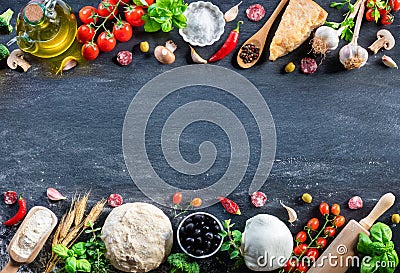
column 165, row 54
column 385, row 40
column 16, row 59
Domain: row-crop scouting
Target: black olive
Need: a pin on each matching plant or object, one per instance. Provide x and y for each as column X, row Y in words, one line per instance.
column 189, row 241
column 217, row 228
column 209, row 236
column 182, row 231
column 215, row 245
column 217, row 238
column 199, row 241
column 198, row 218
column 190, row 249
column 199, row 252
column 206, row 245
column 196, row 232
column 213, row 222
column 188, row 220
column 189, row 227
column 206, row 228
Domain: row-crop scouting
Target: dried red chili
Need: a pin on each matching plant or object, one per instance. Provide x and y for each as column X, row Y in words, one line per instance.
column 229, row 45
column 10, row 197
column 229, row 205
column 20, row 214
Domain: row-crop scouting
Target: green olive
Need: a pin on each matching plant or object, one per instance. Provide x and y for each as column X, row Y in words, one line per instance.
column 290, row 67
column 144, row 47
column 395, row 218
column 306, row 197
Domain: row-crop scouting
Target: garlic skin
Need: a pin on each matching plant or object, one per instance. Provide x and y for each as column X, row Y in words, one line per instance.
column 389, row 62
column 328, row 37
column 353, row 56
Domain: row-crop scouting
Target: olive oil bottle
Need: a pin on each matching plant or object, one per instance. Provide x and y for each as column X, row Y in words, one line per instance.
column 46, row 28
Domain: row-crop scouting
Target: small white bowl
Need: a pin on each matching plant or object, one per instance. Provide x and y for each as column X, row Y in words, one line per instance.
column 179, row 239
column 195, row 32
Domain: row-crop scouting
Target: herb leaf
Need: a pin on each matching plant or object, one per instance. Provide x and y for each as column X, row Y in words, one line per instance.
column 61, row 250
column 165, row 15
column 70, row 264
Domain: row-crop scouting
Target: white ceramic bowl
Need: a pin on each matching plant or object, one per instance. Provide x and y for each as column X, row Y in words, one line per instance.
column 200, row 16
column 179, row 239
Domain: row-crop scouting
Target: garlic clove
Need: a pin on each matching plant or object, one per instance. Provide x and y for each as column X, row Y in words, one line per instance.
column 232, row 13
column 55, row 195
column 291, row 213
column 196, row 57
column 389, row 62
column 67, row 64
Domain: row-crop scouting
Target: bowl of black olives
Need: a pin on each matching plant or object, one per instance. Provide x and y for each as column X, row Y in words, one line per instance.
column 198, row 235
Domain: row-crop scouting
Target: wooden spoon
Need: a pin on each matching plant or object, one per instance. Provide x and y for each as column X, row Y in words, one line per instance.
column 16, row 260
column 260, row 37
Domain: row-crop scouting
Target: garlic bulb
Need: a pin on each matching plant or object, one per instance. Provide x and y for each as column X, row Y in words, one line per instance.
column 325, row 39
column 353, row 56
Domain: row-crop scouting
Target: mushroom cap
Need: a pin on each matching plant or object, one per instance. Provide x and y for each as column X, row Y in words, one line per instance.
column 13, row 58
column 390, row 41
column 164, row 55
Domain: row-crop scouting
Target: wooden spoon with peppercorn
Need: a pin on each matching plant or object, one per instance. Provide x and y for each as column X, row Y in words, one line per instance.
column 251, row 50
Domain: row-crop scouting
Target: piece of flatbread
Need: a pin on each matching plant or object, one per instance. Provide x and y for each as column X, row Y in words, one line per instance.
column 298, row 21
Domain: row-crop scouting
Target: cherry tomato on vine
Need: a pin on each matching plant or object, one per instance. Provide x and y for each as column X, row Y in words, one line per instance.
column 290, row 265
column 122, row 31
column 133, row 14
column 369, row 15
column 324, row 208
column 196, row 202
column 387, row 19
column 321, row 242
column 302, row 267
column 312, row 253
column 339, row 221
column 85, row 33
column 106, row 8
column 313, row 224
column 395, row 5
column 177, row 198
column 88, row 15
column 298, row 250
column 335, row 209
column 90, row 51
column 301, row 237
column 330, row 231
column 106, row 41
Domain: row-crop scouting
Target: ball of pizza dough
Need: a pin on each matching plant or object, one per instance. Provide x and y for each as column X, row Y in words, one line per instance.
column 138, row 237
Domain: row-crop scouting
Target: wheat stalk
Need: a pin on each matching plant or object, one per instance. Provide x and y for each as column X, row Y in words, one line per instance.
column 80, row 209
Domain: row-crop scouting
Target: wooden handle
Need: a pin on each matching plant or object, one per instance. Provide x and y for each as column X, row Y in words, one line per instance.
column 10, row 268
column 273, row 16
column 382, row 206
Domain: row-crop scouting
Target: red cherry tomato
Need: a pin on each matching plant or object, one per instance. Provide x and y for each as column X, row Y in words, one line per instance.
column 90, row 51
column 395, row 5
column 387, row 19
column 106, row 8
column 133, row 14
column 312, row 254
column 122, row 31
column 290, row 265
column 369, row 15
column 330, row 231
column 321, row 242
column 148, row 3
column 298, row 250
column 301, row 237
column 313, row 224
column 335, row 209
column 85, row 33
column 302, row 267
column 88, row 15
column 324, row 208
column 112, row 2
column 339, row 221
column 106, row 41
column 177, row 198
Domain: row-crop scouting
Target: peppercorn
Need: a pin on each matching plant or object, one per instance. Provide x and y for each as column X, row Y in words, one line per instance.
column 395, row 218
column 306, row 197
column 144, row 47
column 290, row 67
column 250, row 52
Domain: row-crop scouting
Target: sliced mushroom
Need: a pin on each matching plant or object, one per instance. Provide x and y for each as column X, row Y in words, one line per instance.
column 16, row 59
column 165, row 54
column 385, row 40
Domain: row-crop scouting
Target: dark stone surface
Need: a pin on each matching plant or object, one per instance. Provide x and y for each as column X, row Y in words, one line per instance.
column 337, row 131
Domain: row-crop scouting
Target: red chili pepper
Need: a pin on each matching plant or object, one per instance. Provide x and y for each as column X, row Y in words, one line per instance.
column 228, row 46
column 20, row 214
column 229, row 205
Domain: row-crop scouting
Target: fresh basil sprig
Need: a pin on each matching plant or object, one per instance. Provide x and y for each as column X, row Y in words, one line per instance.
column 380, row 249
column 165, row 15
column 75, row 258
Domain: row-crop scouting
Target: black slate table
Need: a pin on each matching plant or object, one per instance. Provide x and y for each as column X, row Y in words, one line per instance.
column 337, row 131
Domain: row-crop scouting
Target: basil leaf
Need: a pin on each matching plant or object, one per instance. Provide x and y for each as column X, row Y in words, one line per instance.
column 234, row 254
column 237, row 235
column 79, row 248
column 369, row 265
column 83, row 265
column 151, row 25
column 179, row 21
column 61, row 250
column 161, row 19
column 167, row 26
column 378, row 248
column 381, row 233
column 364, row 243
column 70, row 265
column 225, row 246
